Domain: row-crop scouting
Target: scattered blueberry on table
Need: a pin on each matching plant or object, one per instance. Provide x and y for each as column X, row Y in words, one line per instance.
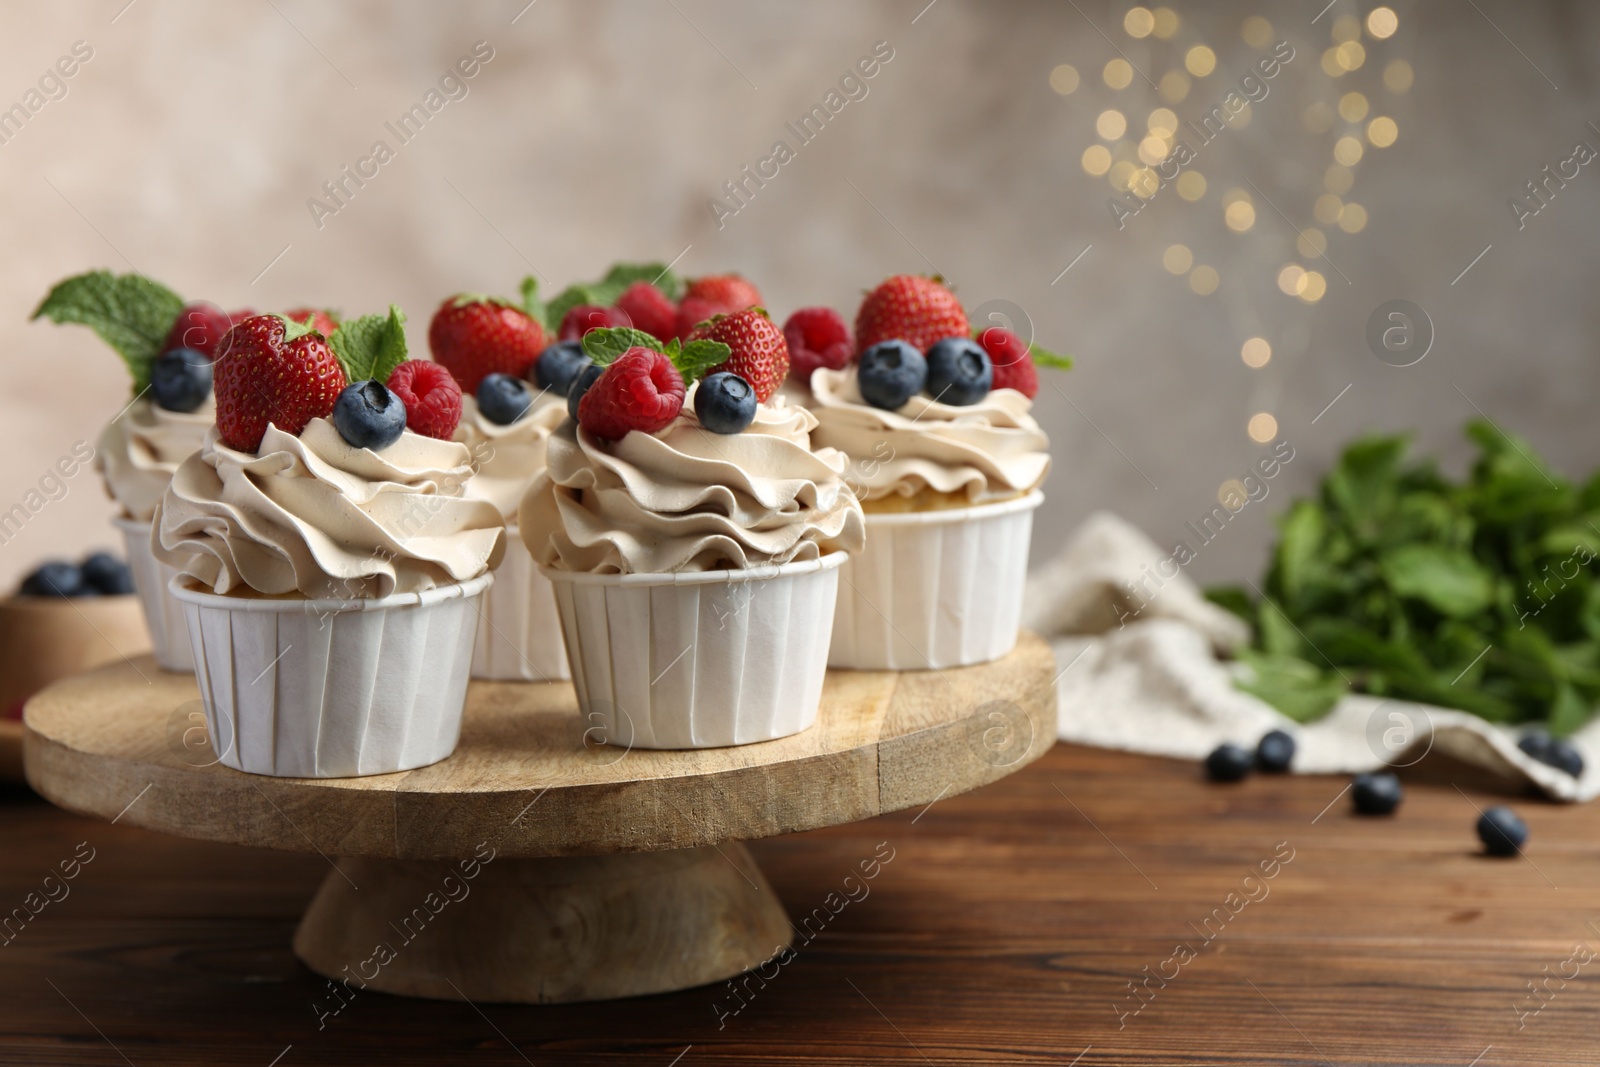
column 1229, row 762
column 1275, row 751
column 1553, row 751
column 1376, row 793
column 99, row 574
column 1502, row 831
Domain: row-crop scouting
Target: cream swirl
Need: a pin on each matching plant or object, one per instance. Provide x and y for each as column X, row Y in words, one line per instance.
column 140, row 449
column 314, row 516
column 988, row 450
column 508, row 458
column 686, row 499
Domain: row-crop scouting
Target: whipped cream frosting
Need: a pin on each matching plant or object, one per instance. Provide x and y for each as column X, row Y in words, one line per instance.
column 141, row 448
column 314, row 516
column 508, row 458
column 989, row 450
column 687, row 499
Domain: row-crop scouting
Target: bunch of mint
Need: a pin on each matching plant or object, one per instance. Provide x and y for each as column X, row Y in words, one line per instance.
column 1481, row 595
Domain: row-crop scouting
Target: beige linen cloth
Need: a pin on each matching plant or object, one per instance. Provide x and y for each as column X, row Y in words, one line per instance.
column 1158, row 682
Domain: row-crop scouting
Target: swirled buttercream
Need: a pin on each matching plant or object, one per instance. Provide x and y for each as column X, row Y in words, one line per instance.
column 988, row 451
column 508, row 458
column 140, row 449
column 314, row 516
column 687, row 499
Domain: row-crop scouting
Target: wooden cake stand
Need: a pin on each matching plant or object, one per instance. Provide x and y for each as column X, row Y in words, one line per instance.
column 537, row 864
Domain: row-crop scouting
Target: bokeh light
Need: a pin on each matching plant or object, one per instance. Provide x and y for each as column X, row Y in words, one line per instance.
column 1204, row 280
column 1311, row 243
column 1177, row 259
column 1352, row 218
column 1166, row 22
column 1327, row 209
column 1314, row 288
column 1174, row 86
column 1256, row 352
column 1096, row 159
column 1382, row 22
column 1191, row 185
column 1256, row 31
column 1347, row 150
column 1292, row 279
column 1262, row 427
column 1163, row 121
column 1153, row 149
column 1352, row 107
column 1118, row 73
column 1064, row 78
column 1200, row 61
column 1382, row 131
column 1350, row 55
column 1239, row 215
column 1111, row 125
column 1139, row 22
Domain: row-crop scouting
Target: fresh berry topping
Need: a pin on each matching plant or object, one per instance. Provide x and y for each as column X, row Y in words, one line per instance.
column 504, row 399
column 728, row 291
column 180, row 379
column 760, row 355
column 55, row 578
column 261, row 379
column 1376, row 793
column 912, row 308
column 1275, row 751
column 1228, row 763
column 368, row 415
column 201, row 327
column 471, row 338
column 1013, row 364
column 559, row 366
column 581, row 385
column 107, row 574
column 431, row 395
column 959, row 371
column 694, row 311
column 891, row 373
column 650, row 310
column 641, row 391
column 319, row 320
column 1502, row 831
column 585, row 317
column 725, row 403
column 817, row 337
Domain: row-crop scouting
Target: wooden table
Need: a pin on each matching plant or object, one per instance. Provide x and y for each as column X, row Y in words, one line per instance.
column 1004, row 930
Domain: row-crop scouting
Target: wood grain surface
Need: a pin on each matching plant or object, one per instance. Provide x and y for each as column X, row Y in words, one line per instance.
column 524, row 779
column 1004, row 928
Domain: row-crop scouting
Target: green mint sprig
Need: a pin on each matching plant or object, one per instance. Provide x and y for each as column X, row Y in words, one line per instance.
column 371, row 346
column 692, row 360
column 130, row 312
column 604, row 292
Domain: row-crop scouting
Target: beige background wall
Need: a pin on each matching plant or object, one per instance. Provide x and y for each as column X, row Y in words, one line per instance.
column 188, row 146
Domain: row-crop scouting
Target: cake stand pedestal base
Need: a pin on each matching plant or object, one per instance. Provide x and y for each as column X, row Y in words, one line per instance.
column 543, row 931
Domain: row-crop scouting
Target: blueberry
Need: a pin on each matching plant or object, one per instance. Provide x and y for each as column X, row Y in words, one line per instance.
column 1228, row 763
column 959, row 371
column 1502, row 831
column 180, row 380
column 1274, row 751
column 559, row 365
column 504, row 399
column 891, row 372
column 55, row 578
column 725, row 403
column 1377, row 793
column 1535, row 741
column 580, row 385
column 1564, row 757
column 368, row 415
column 105, row 573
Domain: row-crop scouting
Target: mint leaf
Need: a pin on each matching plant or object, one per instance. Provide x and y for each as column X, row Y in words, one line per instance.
column 698, row 357
column 530, row 300
column 622, row 275
column 1448, row 580
column 371, row 346
column 130, row 312
column 603, row 346
column 570, row 297
column 1042, row 358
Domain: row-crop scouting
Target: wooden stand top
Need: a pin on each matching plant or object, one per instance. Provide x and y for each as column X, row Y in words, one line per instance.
column 119, row 743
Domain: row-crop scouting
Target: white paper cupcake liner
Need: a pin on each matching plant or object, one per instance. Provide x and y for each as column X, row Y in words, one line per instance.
column 701, row 659
column 163, row 615
column 935, row 589
column 298, row 688
column 519, row 633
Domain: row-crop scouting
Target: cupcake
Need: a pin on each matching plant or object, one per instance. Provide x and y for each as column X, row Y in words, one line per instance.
column 168, row 347
column 329, row 557
column 694, row 539
column 947, row 462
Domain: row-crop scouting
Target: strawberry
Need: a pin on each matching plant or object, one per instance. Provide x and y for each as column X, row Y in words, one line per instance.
column 201, row 326
column 760, row 354
column 262, row 378
column 474, row 336
column 1013, row 363
column 910, row 308
column 432, row 397
column 585, row 317
column 728, row 291
column 692, row 312
column 650, row 310
column 641, row 390
column 817, row 337
column 320, row 320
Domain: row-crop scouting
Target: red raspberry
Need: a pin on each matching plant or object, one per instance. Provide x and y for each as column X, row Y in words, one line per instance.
column 1013, row 364
column 817, row 337
column 650, row 310
column 760, row 354
column 641, row 391
column 728, row 291
column 585, row 317
column 320, row 319
column 431, row 395
column 201, row 327
column 913, row 309
column 476, row 338
column 259, row 380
